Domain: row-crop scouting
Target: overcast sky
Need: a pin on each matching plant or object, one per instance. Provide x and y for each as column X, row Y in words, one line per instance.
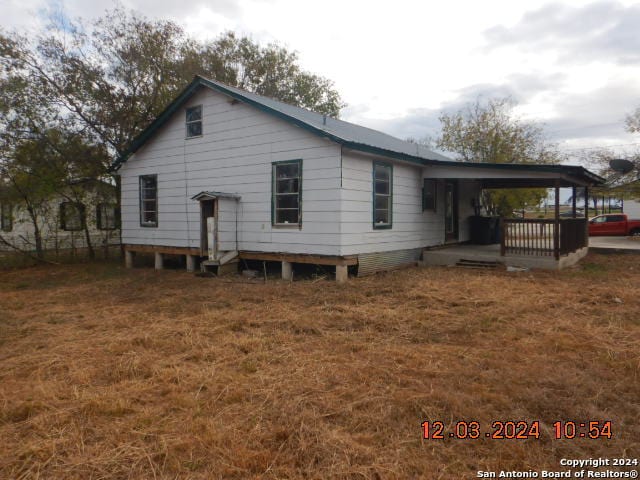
column 573, row 66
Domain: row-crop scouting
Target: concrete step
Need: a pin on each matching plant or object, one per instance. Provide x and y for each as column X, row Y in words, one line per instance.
column 478, row 264
column 213, row 266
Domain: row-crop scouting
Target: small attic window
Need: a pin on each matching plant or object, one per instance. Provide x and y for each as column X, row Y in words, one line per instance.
column 194, row 121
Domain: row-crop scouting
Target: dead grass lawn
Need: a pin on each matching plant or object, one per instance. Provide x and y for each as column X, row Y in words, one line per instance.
column 109, row 373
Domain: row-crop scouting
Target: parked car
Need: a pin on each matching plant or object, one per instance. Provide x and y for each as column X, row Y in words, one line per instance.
column 613, row 224
column 569, row 213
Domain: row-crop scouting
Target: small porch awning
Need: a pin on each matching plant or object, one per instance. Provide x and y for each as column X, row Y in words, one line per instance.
column 213, row 195
column 515, row 175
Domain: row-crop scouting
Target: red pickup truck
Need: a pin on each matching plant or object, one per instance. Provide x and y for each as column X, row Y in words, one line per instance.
column 613, row 224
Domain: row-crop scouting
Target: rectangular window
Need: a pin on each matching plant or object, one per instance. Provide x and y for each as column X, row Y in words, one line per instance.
column 287, row 193
column 107, row 216
column 72, row 216
column 194, row 121
column 429, row 194
column 6, row 217
column 382, row 194
column 148, row 200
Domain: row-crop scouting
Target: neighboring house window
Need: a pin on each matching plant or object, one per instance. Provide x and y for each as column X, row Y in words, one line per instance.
column 71, row 216
column 429, row 191
column 107, row 216
column 6, row 217
column 194, row 121
column 149, row 200
column 382, row 194
column 287, row 193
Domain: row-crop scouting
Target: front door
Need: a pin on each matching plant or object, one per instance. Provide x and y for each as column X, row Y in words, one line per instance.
column 207, row 227
column 450, row 211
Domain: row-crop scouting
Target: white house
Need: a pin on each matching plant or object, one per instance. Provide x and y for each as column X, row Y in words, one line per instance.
column 286, row 184
column 67, row 223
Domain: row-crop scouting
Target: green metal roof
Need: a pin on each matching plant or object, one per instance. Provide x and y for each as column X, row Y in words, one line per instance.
column 349, row 135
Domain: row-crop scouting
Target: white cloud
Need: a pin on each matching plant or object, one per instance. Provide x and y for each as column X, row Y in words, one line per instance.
column 572, row 65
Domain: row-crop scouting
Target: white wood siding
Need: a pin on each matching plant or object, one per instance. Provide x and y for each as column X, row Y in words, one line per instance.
column 234, row 155
column 55, row 238
column 227, row 224
column 411, row 227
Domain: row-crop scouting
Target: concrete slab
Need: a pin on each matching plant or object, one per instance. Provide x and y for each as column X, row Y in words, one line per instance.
column 450, row 255
column 614, row 244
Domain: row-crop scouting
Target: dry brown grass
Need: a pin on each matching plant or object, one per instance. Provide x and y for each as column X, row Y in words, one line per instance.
column 108, row 373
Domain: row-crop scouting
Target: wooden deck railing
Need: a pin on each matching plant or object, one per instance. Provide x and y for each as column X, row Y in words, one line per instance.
column 542, row 237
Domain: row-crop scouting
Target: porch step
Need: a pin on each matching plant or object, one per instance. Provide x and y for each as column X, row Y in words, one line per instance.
column 214, row 266
column 478, row 264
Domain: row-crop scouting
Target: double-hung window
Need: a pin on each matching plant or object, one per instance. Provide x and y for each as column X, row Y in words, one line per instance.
column 429, row 194
column 194, row 121
column 149, row 201
column 72, row 216
column 6, row 217
column 382, row 194
column 107, row 216
column 287, row 193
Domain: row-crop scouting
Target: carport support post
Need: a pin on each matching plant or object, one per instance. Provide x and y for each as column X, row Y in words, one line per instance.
column 556, row 221
column 159, row 261
column 128, row 258
column 191, row 263
column 287, row 271
column 586, row 215
column 573, row 201
column 342, row 273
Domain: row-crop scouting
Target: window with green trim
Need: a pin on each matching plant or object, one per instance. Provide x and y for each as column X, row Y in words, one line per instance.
column 382, row 195
column 287, row 192
column 429, row 194
column 194, row 121
column 148, row 200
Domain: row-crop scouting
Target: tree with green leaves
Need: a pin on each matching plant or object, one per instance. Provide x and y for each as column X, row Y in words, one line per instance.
column 75, row 95
column 488, row 131
column 112, row 78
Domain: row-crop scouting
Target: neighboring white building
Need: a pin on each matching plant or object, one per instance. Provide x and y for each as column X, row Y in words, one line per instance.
column 284, row 183
column 631, row 208
column 62, row 222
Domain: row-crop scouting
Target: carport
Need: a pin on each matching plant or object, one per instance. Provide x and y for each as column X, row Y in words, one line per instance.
column 554, row 241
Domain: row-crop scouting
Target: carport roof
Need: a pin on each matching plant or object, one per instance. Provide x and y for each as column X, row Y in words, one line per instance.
column 517, row 175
